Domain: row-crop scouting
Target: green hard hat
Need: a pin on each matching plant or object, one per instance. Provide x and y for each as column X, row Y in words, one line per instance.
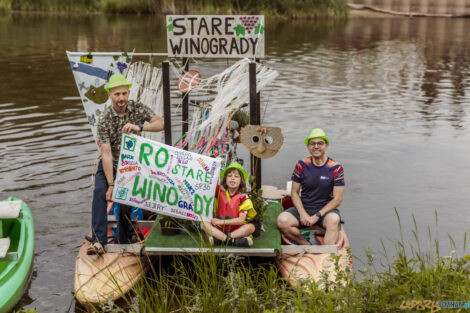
column 117, row 80
column 317, row 133
column 238, row 167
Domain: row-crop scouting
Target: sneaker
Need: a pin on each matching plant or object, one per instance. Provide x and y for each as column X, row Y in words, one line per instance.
column 241, row 242
column 95, row 249
column 215, row 241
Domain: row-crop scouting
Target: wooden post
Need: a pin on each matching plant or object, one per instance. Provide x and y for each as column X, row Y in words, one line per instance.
column 166, row 102
column 254, row 120
column 185, row 113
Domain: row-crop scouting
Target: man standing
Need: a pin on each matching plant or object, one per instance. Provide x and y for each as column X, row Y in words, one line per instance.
column 322, row 182
column 123, row 116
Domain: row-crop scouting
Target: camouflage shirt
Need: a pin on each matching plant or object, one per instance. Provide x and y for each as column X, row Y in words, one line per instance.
column 110, row 125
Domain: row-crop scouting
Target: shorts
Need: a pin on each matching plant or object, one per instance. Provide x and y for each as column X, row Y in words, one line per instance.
column 310, row 212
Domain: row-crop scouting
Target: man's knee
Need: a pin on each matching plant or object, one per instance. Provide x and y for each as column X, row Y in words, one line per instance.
column 331, row 221
column 286, row 220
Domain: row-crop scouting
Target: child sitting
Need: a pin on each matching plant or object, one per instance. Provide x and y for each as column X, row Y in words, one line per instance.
column 232, row 210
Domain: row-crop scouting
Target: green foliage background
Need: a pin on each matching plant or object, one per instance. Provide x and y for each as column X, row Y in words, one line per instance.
column 275, row 8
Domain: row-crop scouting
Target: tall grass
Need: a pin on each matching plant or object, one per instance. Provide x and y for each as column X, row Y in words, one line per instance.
column 277, row 8
column 208, row 283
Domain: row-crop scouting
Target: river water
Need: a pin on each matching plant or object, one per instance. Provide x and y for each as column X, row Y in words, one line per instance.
column 392, row 94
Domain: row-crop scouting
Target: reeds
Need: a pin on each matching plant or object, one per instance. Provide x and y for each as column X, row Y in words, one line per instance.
column 210, row 283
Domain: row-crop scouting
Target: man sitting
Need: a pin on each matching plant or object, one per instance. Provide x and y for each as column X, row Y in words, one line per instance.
column 322, row 182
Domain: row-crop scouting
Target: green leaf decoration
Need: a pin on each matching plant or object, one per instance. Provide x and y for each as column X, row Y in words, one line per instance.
column 259, row 29
column 170, row 27
column 239, row 30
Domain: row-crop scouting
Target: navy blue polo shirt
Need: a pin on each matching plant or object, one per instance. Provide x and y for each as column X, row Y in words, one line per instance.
column 317, row 182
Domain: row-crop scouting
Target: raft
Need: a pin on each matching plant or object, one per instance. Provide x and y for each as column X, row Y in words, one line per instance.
column 101, row 278
column 16, row 251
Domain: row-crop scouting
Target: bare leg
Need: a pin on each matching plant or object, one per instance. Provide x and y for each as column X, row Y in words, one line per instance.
column 244, row 231
column 289, row 226
column 331, row 225
column 213, row 231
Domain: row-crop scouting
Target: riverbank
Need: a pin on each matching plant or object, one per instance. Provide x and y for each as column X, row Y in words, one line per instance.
column 413, row 281
column 289, row 9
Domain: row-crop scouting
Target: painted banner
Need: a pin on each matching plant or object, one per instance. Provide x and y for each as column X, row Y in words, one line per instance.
column 166, row 180
column 91, row 72
column 215, row 36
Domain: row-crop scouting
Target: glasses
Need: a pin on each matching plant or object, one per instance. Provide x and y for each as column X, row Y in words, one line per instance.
column 316, row 143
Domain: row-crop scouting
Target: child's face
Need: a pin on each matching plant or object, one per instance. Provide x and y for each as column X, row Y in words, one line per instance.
column 233, row 179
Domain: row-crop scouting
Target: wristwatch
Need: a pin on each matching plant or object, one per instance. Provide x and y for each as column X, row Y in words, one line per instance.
column 141, row 127
column 318, row 214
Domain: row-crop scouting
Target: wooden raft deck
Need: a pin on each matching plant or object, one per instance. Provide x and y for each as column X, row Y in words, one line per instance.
column 267, row 244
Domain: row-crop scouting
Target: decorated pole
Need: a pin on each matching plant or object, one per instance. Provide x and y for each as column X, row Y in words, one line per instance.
column 254, row 120
column 185, row 113
column 166, row 102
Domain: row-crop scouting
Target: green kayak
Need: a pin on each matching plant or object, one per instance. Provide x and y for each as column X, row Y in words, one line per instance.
column 16, row 251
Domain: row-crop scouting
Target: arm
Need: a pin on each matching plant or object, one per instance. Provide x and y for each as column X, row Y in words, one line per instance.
column 107, row 158
column 156, row 124
column 240, row 220
column 305, row 219
column 335, row 202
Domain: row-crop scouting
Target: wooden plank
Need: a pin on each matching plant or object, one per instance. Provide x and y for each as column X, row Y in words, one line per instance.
column 217, row 251
column 10, row 209
column 150, row 54
column 112, row 222
column 314, row 249
column 4, row 246
column 134, row 248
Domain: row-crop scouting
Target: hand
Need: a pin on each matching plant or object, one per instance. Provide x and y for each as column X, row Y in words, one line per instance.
column 128, row 128
column 305, row 219
column 109, row 193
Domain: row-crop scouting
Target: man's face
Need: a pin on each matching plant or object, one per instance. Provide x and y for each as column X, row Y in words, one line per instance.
column 119, row 96
column 317, row 147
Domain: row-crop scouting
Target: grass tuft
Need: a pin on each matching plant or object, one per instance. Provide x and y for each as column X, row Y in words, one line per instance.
column 210, row 283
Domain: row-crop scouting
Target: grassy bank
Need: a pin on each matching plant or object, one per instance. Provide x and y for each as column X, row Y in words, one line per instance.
column 227, row 284
column 275, row 8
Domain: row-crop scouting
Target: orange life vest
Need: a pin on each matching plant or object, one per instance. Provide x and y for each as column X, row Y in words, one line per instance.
column 228, row 208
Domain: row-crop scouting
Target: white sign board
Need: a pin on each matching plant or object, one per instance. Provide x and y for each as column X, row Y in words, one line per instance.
column 215, row 36
column 166, row 180
column 91, row 72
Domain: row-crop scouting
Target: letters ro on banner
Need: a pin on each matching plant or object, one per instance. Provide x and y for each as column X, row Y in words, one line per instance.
column 166, row 180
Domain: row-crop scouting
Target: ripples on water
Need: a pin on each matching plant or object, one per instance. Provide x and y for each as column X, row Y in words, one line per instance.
column 391, row 93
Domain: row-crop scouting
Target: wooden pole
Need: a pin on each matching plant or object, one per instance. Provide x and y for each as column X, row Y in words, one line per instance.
column 254, row 120
column 185, row 118
column 166, row 102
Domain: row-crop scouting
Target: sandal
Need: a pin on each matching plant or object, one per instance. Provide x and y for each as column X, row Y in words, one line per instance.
column 95, row 249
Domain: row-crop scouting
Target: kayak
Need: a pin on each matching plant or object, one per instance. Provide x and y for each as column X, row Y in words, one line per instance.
column 16, row 251
column 311, row 266
column 101, row 278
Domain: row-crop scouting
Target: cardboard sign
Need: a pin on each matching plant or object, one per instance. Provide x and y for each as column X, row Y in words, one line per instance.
column 215, row 36
column 166, row 180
